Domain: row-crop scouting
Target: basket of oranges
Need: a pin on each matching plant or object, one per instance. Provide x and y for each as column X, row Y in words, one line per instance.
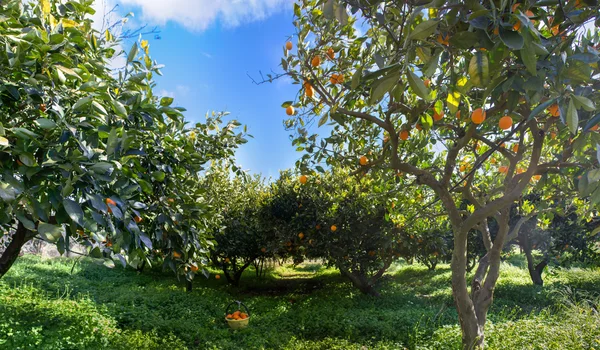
column 237, row 319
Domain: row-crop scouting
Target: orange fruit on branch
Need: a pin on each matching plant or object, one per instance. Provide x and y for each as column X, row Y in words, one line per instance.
column 289, row 110
column 303, row 179
column 289, row 45
column 478, row 116
column 301, row 235
column 438, row 116
column 137, row 219
column 316, row 61
column 404, row 135
column 363, row 161
column 515, row 148
column 503, row 169
column 554, row 110
column 309, row 91
column 427, row 83
column 505, row 122
column 331, row 53
column 218, row 277
column 176, row 255
column 333, row 228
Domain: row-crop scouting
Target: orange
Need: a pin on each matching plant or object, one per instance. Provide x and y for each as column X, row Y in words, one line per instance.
column 43, row 107
column 218, row 277
column 503, row 169
column 110, row 201
column 443, row 39
column 493, row 160
column 458, row 115
column 301, row 235
column 303, row 179
column 171, row 200
column 594, row 128
column 176, row 255
column 419, row 127
column 333, row 228
column 515, row 148
column 363, row 161
column 309, row 91
column 463, row 167
column 194, row 268
column 537, row 177
column 515, row 7
column 289, row 45
column 517, row 26
column 80, row 232
column 478, row 116
column 243, row 315
column 109, row 244
column 528, row 13
column 336, row 79
column 289, row 110
column 438, row 117
column 19, row 163
column 137, row 219
column 497, row 31
column 555, row 30
column 371, row 253
column 386, row 139
column 229, row 316
column 227, row 260
column 554, row 110
column 316, row 61
column 427, row 83
column 404, row 135
column 505, row 122
column 263, row 249
column 331, row 53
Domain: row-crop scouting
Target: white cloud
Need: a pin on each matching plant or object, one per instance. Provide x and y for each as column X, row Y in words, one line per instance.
column 182, row 90
column 198, row 15
column 165, row 93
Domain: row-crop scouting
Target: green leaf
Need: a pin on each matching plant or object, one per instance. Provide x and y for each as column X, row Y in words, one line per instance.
column 541, row 107
column 118, row 108
column 464, row 40
column 584, row 102
column 512, row 39
column 45, row 123
column 69, row 72
column 424, row 29
column 417, row 85
column 323, row 120
column 528, row 57
column 381, row 86
column 166, row 101
column 30, row 225
column 132, row 53
column 572, row 117
column 356, row 78
column 158, row 176
column 286, row 104
column 27, row 159
column 74, row 210
column 50, row 233
column 82, row 103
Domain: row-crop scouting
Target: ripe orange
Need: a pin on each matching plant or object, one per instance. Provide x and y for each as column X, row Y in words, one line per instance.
column 386, row 139
column 515, row 7
column 263, row 249
column 331, row 53
column 309, row 91
column 497, row 31
column 478, row 116
column 171, row 200
column 194, row 268
column 419, row 127
column 505, row 122
column 555, row 30
column 289, row 45
column 427, row 83
column 301, row 235
column 176, row 255
column 218, row 277
column 243, row 315
column 316, row 61
column 438, row 117
column 458, row 115
column 227, row 260
column 515, row 148
column 594, row 128
column 363, row 161
column 110, row 201
column 137, row 219
column 463, row 167
column 43, row 107
column 528, row 13
column 493, row 161
column 537, row 177
column 333, row 228
column 303, row 179
column 229, row 316
column 554, row 110
column 444, row 40
column 289, row 110
column 503, row 169
column 517, row 26
column 404, row 135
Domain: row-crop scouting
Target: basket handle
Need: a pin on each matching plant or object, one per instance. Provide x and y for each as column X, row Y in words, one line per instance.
column 239, row 305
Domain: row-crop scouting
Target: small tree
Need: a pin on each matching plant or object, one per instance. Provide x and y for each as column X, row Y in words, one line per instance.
column 475, row 80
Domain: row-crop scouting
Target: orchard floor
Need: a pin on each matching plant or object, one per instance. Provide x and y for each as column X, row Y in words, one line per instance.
column 49, row 304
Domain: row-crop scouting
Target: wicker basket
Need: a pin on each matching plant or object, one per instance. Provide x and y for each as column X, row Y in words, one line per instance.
column 237, row 324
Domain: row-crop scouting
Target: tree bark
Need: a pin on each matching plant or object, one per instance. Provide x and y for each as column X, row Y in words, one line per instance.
column 535, row 271
column 361, row 282
column 10, row 255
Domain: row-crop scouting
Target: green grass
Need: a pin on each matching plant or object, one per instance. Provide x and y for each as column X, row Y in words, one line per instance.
column 44, row 306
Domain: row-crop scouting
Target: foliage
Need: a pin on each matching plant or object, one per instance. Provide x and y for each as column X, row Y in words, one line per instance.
column 415, row 312
column 95, row 156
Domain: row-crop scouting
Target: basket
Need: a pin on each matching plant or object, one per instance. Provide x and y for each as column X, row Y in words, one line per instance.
column 237, row 324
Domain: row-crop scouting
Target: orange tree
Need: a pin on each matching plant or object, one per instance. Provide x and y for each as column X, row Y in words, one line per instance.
column 243, row 235
column 89, row 154
column 516, row 82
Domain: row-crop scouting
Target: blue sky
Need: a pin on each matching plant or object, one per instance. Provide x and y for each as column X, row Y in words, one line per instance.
column 208, row 57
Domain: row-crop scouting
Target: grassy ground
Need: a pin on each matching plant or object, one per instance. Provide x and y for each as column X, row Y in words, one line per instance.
column 45, row 306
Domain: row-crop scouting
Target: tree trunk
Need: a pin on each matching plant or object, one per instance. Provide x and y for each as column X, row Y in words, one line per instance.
column 18, row 239
column 535, row 271
column 189, row 285
column 360, row 281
